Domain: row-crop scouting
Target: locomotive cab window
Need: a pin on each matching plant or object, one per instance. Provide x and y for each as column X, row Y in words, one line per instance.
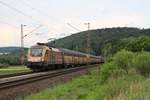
column 36, row 52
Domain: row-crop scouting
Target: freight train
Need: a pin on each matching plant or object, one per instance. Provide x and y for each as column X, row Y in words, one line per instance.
column 42, row 57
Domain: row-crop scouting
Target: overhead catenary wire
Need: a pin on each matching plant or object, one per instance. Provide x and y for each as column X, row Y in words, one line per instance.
column 31, row 17
column 15, row 9
column 26, row 2
column 6, row 23
column 21, row 12
column 73, row 27
column 35, row 9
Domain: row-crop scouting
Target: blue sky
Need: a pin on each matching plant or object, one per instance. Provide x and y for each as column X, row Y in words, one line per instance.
column 54, row 15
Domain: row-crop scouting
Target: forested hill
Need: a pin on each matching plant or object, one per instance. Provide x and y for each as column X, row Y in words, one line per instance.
column 9, row 49
column 99, row 38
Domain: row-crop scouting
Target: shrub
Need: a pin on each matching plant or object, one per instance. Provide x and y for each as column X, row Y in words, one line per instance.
column 138, row 44
column 107, row 70
column 4, row 65
column 142, row 63
column 123, row 59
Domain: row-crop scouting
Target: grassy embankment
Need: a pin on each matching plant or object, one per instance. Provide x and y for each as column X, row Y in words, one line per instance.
column 124, row 77
column 13, row 70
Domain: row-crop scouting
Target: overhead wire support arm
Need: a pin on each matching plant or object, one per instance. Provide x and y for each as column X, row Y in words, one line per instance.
column 33, row 30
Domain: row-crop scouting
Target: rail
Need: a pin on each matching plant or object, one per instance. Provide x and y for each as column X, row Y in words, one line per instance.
column 25, row 79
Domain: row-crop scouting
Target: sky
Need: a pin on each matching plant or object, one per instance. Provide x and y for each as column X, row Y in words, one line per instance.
column 53, row 17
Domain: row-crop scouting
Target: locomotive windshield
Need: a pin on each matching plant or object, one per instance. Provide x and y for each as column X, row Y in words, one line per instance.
column 36, row 52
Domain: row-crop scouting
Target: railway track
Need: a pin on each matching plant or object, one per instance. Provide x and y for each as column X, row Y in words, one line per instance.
column 16, row 74
column 29, row 78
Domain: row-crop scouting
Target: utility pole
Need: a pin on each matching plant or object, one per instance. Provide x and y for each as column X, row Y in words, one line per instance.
column 88, row 45
column 22, row 40
column 22, row 44
column 88, row 38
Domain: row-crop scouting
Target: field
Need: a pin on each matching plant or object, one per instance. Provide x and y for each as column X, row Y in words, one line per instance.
column 89, row 87
column 13, row 70
column 126, row 76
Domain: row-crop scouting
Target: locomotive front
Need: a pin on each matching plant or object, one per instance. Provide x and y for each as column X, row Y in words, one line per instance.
column 37, row 56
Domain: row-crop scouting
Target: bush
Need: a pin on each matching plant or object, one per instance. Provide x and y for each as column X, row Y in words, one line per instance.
column 4, row 65
column 142, row 63
column 107, row 70
column 138, row 44
column 123, row 59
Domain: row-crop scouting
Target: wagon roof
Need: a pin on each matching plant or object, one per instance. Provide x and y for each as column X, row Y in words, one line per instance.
column 66, row 51
column 55, row 49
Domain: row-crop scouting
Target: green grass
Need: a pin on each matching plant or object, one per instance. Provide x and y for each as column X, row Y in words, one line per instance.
column 13, row 69
column 124, row 77
column 68, row 91
column 132, row 86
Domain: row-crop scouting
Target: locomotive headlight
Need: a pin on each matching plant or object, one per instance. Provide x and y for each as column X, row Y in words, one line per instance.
column 42, row 59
